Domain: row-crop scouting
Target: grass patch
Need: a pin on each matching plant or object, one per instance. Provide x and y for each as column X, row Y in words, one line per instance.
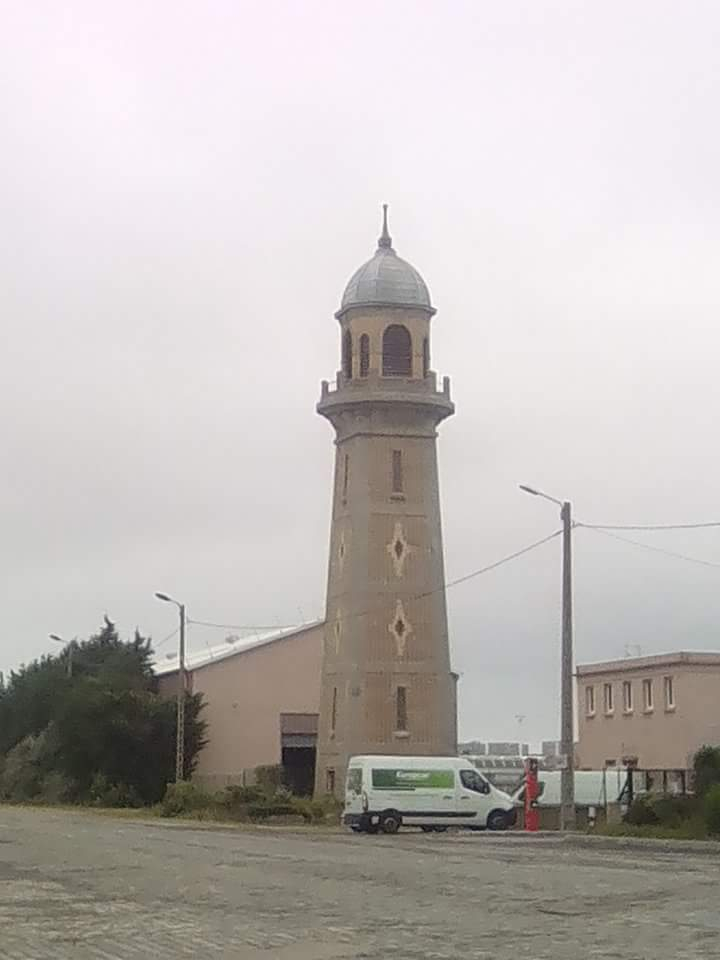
column 692, row 829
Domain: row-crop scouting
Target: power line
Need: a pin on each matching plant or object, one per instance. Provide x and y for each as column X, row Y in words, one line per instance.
column 168, row 637
column 418, row 596
column 655, row 526
column 647, row 546
column 494, row 566
column 468, row 576
column 241, row 626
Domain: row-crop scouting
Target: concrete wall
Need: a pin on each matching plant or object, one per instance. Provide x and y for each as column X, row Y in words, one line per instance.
column 662, row 738
column 245, row 695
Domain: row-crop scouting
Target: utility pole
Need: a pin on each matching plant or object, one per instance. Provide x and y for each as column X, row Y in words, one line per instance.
column 567, row 731
column 181, row 684
column 180, row 741
column 567, row 713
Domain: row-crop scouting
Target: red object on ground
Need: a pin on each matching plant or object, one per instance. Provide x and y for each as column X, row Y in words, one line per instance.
column 532, row 789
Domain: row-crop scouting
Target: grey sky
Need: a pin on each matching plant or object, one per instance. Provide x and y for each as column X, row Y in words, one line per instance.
column 185, row 190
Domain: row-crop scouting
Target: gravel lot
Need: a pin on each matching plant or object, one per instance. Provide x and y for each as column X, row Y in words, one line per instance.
column 77, row 885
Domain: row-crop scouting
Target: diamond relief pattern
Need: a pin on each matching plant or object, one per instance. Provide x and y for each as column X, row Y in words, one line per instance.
column 400, row 628
column 399, row 549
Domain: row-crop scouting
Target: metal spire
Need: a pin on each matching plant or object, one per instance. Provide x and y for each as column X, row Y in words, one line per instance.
column 385, row 238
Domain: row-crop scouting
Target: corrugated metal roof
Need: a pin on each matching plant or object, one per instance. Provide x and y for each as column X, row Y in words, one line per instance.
column 196, row 659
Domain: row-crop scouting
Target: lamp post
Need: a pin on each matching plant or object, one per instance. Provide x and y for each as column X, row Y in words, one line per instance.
column 180, row 735
column 57, row 639
column 567, row 734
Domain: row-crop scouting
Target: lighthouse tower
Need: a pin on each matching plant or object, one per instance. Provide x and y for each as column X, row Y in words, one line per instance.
column 387, row 686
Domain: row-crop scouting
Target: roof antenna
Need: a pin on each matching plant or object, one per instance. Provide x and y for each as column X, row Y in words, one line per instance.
column 385, row 238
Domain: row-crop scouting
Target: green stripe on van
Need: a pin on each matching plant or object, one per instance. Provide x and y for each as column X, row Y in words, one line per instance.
column 413, row 779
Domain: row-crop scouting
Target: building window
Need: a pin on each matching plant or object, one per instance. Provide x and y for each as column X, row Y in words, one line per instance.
column 346, row 475
column 627, row 696
column 333, row 714
column 590, row 701
column 347, row 355
column 669, row 690
column 329, row 780
column 397, row 471
column 397, row 352
column 647, row 688
column 426, row 357
column 608, row 698
column 401, row 709
column 364, row 355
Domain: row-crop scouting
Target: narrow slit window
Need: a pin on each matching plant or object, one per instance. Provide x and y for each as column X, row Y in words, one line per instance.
column 401, row 709
column 397, row 471
column 647, row 695
column 669, row 688
column 346, row 475
column 333, row 715
column 627, row 697
column 347, row 357
column 329, row 780
column 364, row 355
column 426, row 357
column 608, row 698
column 590, row 701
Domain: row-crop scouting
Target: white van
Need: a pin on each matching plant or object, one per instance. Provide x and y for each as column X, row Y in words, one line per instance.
column 434, row 793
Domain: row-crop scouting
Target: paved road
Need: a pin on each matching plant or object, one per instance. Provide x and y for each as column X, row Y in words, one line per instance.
column 75, row 885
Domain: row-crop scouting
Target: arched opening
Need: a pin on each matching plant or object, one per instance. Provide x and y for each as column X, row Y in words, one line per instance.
column 364, row 355
column 426, row 357
column 397, row 352
column 347, row 355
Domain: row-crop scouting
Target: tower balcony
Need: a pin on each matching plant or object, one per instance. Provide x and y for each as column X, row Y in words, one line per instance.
column 345, row 392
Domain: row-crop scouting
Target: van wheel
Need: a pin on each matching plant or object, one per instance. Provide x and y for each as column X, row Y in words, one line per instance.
column 498, row 820
column 390, row 821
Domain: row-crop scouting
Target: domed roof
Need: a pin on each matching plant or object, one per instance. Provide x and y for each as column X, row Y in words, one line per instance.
column 386, row 280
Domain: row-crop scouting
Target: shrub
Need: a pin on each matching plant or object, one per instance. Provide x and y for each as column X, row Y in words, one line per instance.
column 711, row 806
column 641, row 813
column 269, row 778
column 237, row 796
column 184, row 798
column 672, row 811
column 23, row 770
column 269, row 808
column 57, row 788
column 706, row 769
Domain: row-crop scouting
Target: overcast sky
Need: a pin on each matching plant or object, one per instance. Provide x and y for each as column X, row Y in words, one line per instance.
column 186, row 188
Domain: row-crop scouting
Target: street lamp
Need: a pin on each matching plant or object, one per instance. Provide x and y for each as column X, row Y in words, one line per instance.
column 567, row 737
column 57, row 639
column 180, row 735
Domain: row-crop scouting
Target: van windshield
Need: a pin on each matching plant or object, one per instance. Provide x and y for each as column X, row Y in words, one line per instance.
column 472, row 780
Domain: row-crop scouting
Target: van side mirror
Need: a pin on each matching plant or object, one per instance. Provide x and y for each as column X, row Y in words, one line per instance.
column 485, row 787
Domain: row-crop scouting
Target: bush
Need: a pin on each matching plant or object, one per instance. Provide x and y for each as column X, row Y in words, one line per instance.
column 672, row 811
column 269, row 778
column 184, row 798
column 103, row 793
column 706, row 769
column 57, row 788
column 270, row 808
column 641, row 813
column 237, row 796
column 711, row 806
column 23, row 770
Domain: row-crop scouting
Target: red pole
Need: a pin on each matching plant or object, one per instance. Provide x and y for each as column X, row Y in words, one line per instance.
column 532, row 814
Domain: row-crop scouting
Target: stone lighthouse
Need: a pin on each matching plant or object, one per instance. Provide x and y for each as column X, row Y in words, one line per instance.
column 387, row 686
